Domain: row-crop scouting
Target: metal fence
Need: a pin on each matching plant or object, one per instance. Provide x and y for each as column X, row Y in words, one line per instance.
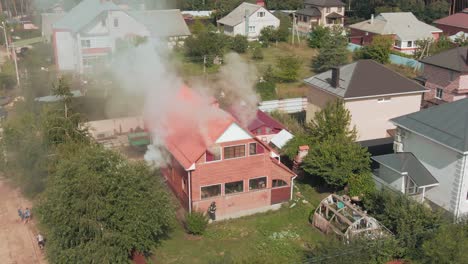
column 292, row 105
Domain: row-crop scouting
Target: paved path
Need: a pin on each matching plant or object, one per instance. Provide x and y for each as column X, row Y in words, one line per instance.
column 17, row 243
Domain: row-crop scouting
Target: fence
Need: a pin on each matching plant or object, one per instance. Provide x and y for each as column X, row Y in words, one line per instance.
column 293, row 105
column 394, row 59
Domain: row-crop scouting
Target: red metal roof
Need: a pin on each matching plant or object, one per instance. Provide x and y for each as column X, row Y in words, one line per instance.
column 192, row 126
column 456, row 20
column 261, row 119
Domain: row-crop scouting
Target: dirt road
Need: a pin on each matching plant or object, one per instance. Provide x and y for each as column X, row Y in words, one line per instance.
column 17, row 243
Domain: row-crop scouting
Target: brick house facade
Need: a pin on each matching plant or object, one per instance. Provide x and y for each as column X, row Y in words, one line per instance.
column 446, row 76
column 228, row 166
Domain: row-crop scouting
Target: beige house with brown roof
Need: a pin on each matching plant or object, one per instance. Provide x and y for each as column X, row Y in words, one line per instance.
column 371, row 92
column 319, row 13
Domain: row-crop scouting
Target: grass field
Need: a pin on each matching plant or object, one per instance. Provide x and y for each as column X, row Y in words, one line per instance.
column 274, row 237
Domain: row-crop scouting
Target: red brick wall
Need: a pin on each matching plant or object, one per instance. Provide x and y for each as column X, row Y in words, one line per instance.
column 175, row 176
column 449, row 30
column 440, row 78
column 224, row 171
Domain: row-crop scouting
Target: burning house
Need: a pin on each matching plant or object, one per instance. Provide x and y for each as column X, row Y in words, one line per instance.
column 213, row 158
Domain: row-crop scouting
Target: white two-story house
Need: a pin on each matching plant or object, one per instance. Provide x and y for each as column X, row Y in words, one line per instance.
column 432, row 152
column 248, row 20
column 319, row 13
column 86, row 37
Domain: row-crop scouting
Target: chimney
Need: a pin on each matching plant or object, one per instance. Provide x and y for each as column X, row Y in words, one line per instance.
column 335, row 80
column 261, row 3
column 372, row 19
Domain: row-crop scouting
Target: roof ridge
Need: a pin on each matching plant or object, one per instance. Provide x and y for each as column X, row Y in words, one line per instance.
column 345, row 95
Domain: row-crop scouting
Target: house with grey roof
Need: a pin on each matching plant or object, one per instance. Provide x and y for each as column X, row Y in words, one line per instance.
column 319, row 13
column 432, row 147
column 86, row 37
column 403, row 27
column 372, row 93
column 248, row 20
column 446, row 76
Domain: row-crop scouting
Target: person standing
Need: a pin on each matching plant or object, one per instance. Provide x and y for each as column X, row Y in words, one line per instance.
column 27, row 215
column 21, row 214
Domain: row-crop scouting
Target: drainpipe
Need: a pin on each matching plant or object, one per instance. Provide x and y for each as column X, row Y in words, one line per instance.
column 247, row 23
column 189, row 174
column 292, row 187
column 463, row 172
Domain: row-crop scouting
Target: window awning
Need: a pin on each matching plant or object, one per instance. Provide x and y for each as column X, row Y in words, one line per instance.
column 334, row 15
column 406, row 163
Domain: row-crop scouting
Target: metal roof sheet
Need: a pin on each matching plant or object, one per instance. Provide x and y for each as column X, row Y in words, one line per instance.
column 237, row 15
column 453, row 59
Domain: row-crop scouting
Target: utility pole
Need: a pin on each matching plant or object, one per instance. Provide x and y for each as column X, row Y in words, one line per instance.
column 6, row 39
column 204, row 65
column 292, row 29
column 16, row 64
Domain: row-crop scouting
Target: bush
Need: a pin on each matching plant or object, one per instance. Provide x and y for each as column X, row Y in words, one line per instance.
column 205, row 44
column 239, row 44
column 266, row 90
column 288, row 68
column 196, row 223
column 379, row 50
column 257, row 53
column 318, row 36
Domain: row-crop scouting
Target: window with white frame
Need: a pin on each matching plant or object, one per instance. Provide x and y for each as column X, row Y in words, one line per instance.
column 255, row 148
column 340, row 9
column 328, row 10
column 410, row 44
column 210, row 191
column 251, row 29
column 234, row 187
column 258, row 183
column 384, row 99
column 116, row 22
column 213, row 154
column 439, row 93
column 278, row 183
column 103, row 22
column 234, row 152
column 86, row 43
column 398, row 43
column 260, row 14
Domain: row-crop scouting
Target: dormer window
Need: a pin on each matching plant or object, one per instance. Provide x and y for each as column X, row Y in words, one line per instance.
column 234, row 152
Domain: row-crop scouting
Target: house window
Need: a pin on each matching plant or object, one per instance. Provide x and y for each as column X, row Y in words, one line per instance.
column 304, row 18
column 439, row 93
column 258, row 183
column 255, row 148
column 410, row 44
column 384, row 99
column 184, row 184
column 340, row 9
column 411, row 187
column 260, row 14
column 234, row 187
column 103, row 22
column 328, row 10
column 234, row 152
column 259, row 131
column 213, row 154
column 251, row 29
column 116, row 22
column 397, row 43
column 278, row 183
column 85, row 43
column 210, row 191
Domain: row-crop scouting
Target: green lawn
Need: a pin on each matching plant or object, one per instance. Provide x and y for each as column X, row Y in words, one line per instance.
column 273, row 237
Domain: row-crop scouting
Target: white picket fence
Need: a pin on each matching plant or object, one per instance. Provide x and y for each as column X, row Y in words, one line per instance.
column 292, row 105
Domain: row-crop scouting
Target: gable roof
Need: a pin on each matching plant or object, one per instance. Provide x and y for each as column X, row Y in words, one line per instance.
column 311, row 11
column 80, row 15
column 406, row 162
column 261, row 119
column 192, row 130
column 365, row 78
column 162, row 23
column 446, row 124
column 403, row 24
column 459, row 20
column 453, row 59
column 325, row 3
column 237, row 15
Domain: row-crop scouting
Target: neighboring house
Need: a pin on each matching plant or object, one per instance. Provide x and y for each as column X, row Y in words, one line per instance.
column 371, row 92
column 47, row 20
column 403, row 27
column 212, row 158
column 446, row 75
column 87, row 35
column 438, row 138
column 263, row 126
column 453, row 24
column 248, row 20
column 319, row 13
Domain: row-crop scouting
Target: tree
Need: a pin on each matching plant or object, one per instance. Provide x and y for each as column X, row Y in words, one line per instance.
column 268, row 35
column 428, row 47
column 266, row 90
column 448, row 245
column 318, row 37
column 333, row 52
column 100, row 208
column 379, row 50
column 208, row 44
column 291, row 124
column 288, row 68
column 239, row 44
